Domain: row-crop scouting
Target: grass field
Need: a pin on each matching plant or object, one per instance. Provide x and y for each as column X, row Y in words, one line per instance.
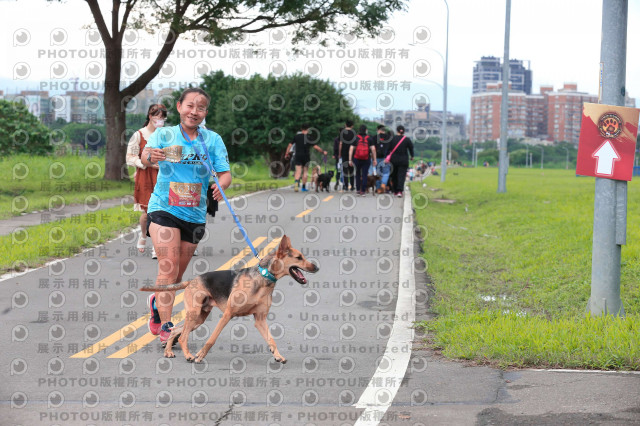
column 512, row 272
column 29, row 183
column 38, row 183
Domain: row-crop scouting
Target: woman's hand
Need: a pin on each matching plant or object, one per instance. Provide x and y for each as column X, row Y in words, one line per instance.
column 156, row 156
column 216, row 192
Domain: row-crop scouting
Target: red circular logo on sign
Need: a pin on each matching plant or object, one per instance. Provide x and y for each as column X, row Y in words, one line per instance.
column 610, row 125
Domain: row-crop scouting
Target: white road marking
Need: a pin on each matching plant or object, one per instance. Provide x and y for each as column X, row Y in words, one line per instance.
column 384, row 384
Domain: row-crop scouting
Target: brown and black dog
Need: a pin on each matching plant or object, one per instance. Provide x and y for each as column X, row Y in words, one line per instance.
column 235, row 293
column 371, row 183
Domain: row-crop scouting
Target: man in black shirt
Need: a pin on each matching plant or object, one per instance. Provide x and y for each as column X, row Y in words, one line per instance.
column 347, row 138
column 302, row 156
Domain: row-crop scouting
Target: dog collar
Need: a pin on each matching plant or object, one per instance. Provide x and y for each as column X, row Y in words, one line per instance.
column 268, row 275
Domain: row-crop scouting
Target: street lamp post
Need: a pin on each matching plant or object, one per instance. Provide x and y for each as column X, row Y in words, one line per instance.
column 504, row 107
column 445, row 60
column 566, row 163
column 541, row 157
column 444, row 102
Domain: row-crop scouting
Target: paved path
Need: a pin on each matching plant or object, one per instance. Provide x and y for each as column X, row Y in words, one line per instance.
column 337, row 333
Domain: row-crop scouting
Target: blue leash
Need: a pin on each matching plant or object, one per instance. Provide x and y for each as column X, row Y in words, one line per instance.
column 235, row 217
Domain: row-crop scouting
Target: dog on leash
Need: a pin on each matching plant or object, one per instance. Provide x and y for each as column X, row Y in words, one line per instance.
column 323, row 181
column 236, row 293
column 371, row 183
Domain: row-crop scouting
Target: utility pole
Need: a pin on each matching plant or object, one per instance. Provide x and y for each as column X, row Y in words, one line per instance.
column 504, row 108
column 610, row 204
column 443, row 158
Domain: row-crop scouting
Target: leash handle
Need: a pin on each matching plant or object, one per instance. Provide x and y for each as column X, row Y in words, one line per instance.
column 213, row 173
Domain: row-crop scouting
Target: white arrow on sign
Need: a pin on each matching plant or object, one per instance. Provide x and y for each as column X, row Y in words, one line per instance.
column 605, row 156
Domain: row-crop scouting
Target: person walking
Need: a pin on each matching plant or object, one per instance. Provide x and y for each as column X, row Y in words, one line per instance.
column 381, row 142
column 399, row 159
column 177, row 206
column 360, row 155
column 144, row 177
column 338, row 160
column 347, row 138
column 302, row 156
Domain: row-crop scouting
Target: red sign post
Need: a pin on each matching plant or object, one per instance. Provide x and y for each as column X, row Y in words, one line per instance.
column 607, row 143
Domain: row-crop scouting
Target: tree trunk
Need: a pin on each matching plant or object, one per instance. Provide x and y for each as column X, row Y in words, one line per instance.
column 278, row 165
column 114, row 111
column 115, row 120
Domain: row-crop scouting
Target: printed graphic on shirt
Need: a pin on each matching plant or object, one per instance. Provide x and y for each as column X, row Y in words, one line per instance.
column 184, row 194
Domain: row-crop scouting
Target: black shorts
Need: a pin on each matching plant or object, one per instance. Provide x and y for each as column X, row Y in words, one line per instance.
column 301, row 161
column 189, row 232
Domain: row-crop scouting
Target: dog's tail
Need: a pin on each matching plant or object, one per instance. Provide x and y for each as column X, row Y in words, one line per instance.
column 170, row 287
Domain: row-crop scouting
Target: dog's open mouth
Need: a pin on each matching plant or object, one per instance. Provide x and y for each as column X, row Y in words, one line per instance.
column 296, row 273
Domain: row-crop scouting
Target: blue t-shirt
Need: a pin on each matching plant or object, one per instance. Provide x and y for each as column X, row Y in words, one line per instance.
column 181, row 188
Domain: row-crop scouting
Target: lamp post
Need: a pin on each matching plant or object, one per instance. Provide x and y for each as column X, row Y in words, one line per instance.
column 504, row 107
column 444, row 102
column 445, row 60
column 541, row 157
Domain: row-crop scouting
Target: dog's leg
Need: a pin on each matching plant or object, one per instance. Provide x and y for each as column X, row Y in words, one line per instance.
column 175, row 333
column 194, row 300
column 184, row 340
column 226, row 317
column 263, row 328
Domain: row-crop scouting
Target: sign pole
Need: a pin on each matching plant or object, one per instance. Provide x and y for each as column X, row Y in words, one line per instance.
column 610, row 205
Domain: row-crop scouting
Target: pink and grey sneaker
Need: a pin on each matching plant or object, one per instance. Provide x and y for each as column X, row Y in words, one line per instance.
column 165, row 332
column 154, row 319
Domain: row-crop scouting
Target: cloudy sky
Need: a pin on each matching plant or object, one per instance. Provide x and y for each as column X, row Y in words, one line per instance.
column 47, row 45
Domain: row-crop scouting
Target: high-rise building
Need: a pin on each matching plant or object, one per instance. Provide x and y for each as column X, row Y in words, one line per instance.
column 484, row 124
column 550, row 115
column 489, row 70
column 565, row 112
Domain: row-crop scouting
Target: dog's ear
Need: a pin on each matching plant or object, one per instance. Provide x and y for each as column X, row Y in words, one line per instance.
column 284, row 247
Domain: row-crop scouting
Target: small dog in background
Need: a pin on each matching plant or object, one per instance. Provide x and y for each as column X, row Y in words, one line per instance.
column 323, row 180
column 371, row 183
column 315, row 172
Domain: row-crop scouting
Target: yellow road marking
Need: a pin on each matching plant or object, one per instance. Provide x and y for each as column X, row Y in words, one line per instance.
column 304, row 213
column 328, row 198
column 265, row 251
column 112, row 338
column 246, row 251
column 142, row 321
column 133, row 347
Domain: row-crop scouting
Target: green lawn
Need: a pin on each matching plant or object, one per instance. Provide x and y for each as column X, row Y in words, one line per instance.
column 512, row 272
column 30, row 183
column 37, row 183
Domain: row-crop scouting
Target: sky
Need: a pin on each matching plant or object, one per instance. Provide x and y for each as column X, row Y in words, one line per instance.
column 46, row 44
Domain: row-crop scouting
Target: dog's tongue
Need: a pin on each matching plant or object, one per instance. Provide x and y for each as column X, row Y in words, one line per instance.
column 299, row 276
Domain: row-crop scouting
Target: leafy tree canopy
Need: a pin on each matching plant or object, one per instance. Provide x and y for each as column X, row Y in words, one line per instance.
column 259, row 116
column 21, row 132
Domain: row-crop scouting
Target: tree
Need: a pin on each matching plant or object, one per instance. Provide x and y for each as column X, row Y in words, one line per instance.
column 260, row 116
column 218, row 22
column 21, row 132
column 89, row 136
